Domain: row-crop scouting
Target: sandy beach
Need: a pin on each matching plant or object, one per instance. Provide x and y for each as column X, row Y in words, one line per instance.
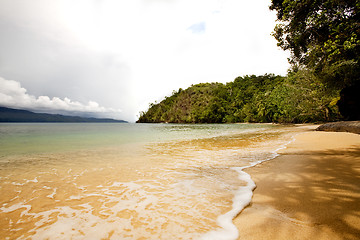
column 311, row 191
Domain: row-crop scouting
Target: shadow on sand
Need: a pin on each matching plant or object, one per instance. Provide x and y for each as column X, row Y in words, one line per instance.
column 316, row 190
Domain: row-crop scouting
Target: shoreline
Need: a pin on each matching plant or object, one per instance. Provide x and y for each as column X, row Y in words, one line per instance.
column 310, row 191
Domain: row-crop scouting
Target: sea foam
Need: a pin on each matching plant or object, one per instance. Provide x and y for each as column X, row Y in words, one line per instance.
column 183, row 188
column 242, row 198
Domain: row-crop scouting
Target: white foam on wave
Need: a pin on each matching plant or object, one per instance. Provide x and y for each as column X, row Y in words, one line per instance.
column 35, row 180
column 52, row 194
column 242, row 198
column 15, row 207
column 160, row 207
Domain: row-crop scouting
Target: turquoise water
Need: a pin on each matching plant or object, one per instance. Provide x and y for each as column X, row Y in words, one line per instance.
column 29, row 138
column 128, row 181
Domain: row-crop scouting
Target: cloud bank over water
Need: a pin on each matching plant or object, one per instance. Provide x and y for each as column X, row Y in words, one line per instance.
column 13, row 95
column 127, row 54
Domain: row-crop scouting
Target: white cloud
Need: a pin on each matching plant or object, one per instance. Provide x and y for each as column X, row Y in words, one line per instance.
column 13, row 95
column 126, row 54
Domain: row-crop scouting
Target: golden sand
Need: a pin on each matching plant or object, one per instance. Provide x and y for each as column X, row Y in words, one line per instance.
column 311, row 191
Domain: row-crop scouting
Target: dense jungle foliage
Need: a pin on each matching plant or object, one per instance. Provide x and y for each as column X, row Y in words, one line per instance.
column 323, row 38
column 322, row 35
column 298, row 98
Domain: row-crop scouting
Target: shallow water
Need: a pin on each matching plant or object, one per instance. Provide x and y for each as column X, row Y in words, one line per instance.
column 128, row 181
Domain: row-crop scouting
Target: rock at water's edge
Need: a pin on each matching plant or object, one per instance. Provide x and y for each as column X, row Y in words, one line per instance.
column 351, row 126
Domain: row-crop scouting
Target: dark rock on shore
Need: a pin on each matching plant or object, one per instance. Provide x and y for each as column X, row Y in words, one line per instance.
column 351, row 126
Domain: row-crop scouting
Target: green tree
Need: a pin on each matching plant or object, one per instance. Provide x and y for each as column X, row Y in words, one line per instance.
column 323, row 35
column 301, row 98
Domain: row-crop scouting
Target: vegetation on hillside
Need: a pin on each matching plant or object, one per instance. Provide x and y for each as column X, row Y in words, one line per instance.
column 298, row 98
column 323, row 38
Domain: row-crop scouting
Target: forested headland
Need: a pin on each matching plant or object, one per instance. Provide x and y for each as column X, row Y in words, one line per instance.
column 323, row 83
column 294, row 99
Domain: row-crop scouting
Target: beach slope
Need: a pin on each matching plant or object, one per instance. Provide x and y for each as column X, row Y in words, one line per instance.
column 311, row 191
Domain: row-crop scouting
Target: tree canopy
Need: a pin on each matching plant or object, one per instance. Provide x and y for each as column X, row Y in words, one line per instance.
column 323, row 35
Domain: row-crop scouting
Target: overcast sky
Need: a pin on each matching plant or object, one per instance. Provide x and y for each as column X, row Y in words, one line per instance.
column 114, row 57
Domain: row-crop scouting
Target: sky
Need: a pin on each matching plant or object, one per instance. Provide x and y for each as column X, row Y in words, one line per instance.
column 112, row 58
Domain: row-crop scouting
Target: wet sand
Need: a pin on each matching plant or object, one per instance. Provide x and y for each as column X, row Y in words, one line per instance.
column 311, row 191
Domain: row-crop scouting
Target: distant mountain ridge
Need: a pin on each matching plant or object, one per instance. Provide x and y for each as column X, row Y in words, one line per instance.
column 17, row 115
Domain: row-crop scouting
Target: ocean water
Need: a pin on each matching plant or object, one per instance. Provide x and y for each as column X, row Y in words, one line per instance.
column 129, row 181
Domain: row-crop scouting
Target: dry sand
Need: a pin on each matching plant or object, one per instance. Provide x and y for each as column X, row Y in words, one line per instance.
column 311, row 191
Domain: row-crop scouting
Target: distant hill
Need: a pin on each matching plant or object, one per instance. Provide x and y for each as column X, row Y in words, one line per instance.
column 16, row 115
column 298, row 98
